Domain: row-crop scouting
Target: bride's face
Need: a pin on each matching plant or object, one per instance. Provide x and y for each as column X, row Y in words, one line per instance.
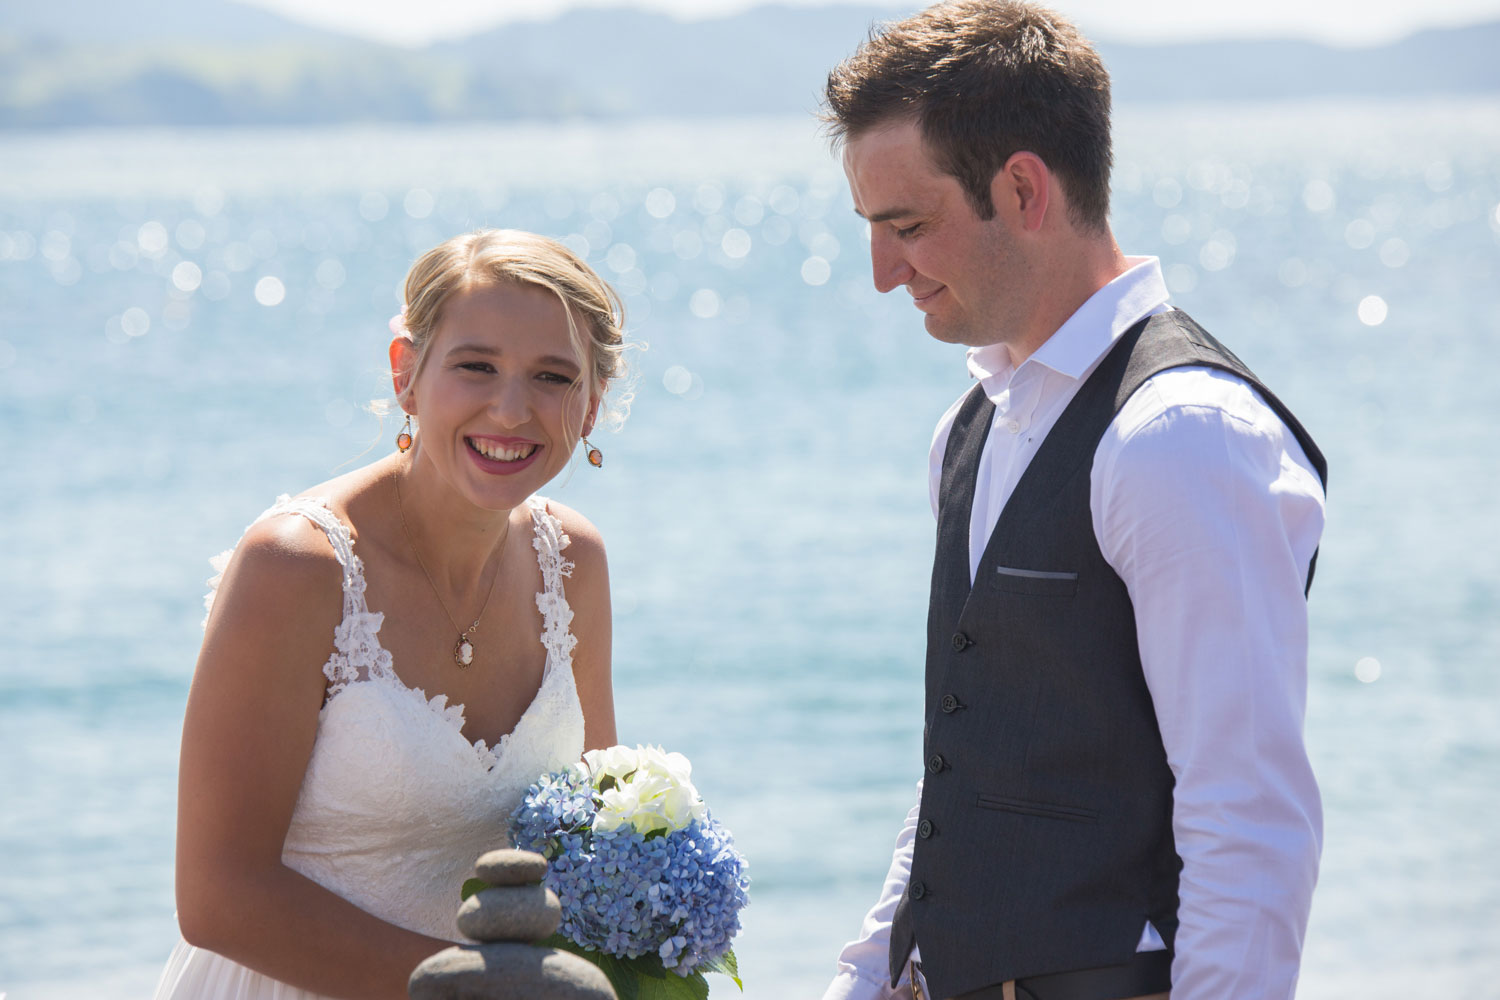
column 501, row 397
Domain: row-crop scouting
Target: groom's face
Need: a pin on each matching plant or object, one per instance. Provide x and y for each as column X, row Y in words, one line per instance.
column 962, row 271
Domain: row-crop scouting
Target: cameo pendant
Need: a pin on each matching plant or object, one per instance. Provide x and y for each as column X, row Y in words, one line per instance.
column 463, row 651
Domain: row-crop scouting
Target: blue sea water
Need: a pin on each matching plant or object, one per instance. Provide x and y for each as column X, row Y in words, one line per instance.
column 193, row 322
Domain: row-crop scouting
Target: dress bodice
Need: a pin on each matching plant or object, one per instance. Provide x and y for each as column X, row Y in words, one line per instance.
column 396, row 803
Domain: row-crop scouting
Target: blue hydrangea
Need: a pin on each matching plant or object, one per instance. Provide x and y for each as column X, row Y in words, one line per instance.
column 676, row 894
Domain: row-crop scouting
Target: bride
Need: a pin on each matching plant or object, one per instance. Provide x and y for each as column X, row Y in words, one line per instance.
column 390, row 658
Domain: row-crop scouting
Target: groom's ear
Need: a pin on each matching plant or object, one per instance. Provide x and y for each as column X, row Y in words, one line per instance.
column 1021, row 191
column 403, row 357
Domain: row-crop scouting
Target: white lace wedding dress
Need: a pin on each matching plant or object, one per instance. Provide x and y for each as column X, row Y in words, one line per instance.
column 396, row 803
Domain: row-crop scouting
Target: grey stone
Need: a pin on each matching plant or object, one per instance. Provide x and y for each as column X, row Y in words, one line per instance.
column 511, row 867
column 510, row 913
column 507, row 971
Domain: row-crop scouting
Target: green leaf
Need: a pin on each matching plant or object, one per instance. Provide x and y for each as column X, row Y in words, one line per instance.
column 645, row 978
column 472, row 886
column 726, row 964
column 675, row 987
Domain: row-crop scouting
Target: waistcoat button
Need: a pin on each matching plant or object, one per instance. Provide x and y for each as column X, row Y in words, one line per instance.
column 917, row 890
column 961, row 642
column 950, row 704
column 936, row 763
column 924, row 829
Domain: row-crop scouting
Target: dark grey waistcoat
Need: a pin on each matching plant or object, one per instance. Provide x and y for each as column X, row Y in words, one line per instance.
column 1044, row 841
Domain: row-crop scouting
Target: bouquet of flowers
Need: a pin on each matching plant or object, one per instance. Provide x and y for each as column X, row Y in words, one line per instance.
column 650, row 883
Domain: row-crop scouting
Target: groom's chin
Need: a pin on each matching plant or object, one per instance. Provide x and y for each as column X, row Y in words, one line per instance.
column 946, row 331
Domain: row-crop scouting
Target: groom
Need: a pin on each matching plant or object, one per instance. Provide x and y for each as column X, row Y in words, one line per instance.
column 1117, row 800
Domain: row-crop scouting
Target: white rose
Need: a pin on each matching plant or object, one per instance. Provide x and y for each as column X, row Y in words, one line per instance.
column 680, row 805
column 616, row 762
column 617, row 807
column 674, row 764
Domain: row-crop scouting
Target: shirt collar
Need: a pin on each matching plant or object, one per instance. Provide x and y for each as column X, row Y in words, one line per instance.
column 1137, row 293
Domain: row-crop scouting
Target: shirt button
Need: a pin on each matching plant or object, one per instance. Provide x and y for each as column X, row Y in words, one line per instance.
column 950, row 704
column 924, row 829
column 961, row 642
column 936, row 763
column 917, row 890
column 1014, row 426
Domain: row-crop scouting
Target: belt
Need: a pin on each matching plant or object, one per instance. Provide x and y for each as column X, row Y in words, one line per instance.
column 1146, row 973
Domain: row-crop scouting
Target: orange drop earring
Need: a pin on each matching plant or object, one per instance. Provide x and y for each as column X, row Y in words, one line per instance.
column 403, row 440
column 595, row 456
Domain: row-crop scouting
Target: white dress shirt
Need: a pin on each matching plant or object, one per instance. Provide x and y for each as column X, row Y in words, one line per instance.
column 1205, row 505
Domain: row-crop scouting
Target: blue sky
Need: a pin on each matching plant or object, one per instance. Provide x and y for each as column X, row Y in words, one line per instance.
column 1343, row 22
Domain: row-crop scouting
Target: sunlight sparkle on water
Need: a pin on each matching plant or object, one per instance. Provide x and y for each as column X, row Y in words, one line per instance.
column 1318, row 196
column 776, row 231
column 749, row 211
column 187, row 276
column 1181, row 278
column 825, row 245
column 269, row 291
column 135, row 322
column 735, row 244
column 1372, row 310
column 815, row 271
column 1218, row 252
column 152, row 239
column 705, row 303
column 620, row 258
column 708, row 199
column 660, row 203
column 676, row 380
column 784, row 200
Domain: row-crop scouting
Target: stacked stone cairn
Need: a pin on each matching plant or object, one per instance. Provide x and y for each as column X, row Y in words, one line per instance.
column 507, row 920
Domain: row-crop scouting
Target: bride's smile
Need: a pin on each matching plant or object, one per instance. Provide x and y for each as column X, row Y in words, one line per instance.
column 504, row 450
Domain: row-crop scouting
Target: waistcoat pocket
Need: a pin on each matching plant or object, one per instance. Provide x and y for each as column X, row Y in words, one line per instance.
column 1046, row 810
column 1041, row 583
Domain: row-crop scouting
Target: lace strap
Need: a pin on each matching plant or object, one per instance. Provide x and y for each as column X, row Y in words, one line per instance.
column 549, row 540
column 357, row 650
column 318, row 511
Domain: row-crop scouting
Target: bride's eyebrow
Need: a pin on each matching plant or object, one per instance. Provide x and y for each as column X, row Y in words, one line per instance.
column 484, row 349
column 487, row 350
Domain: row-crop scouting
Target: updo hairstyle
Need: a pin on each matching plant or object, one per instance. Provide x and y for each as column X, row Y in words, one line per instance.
column 495, row 256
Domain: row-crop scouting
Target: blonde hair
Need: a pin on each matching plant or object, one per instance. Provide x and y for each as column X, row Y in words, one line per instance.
column 494, row 256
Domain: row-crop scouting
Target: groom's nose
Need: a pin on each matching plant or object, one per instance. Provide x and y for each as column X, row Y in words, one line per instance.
column 888, row 263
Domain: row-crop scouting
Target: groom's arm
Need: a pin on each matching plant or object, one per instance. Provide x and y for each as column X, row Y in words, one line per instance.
column 1205, row 505
column 864, row 963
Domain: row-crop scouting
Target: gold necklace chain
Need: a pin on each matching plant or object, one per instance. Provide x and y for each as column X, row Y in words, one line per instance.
column 463, row 649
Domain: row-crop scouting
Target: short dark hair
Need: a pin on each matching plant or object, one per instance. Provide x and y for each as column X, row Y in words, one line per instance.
column 983, row 80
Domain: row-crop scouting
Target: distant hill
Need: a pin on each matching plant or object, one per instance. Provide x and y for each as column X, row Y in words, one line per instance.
column 147, row 21
column 217, row 62
column 1448, row 61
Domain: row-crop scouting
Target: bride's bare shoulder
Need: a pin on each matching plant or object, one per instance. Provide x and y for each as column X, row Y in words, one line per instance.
column 585, row 543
